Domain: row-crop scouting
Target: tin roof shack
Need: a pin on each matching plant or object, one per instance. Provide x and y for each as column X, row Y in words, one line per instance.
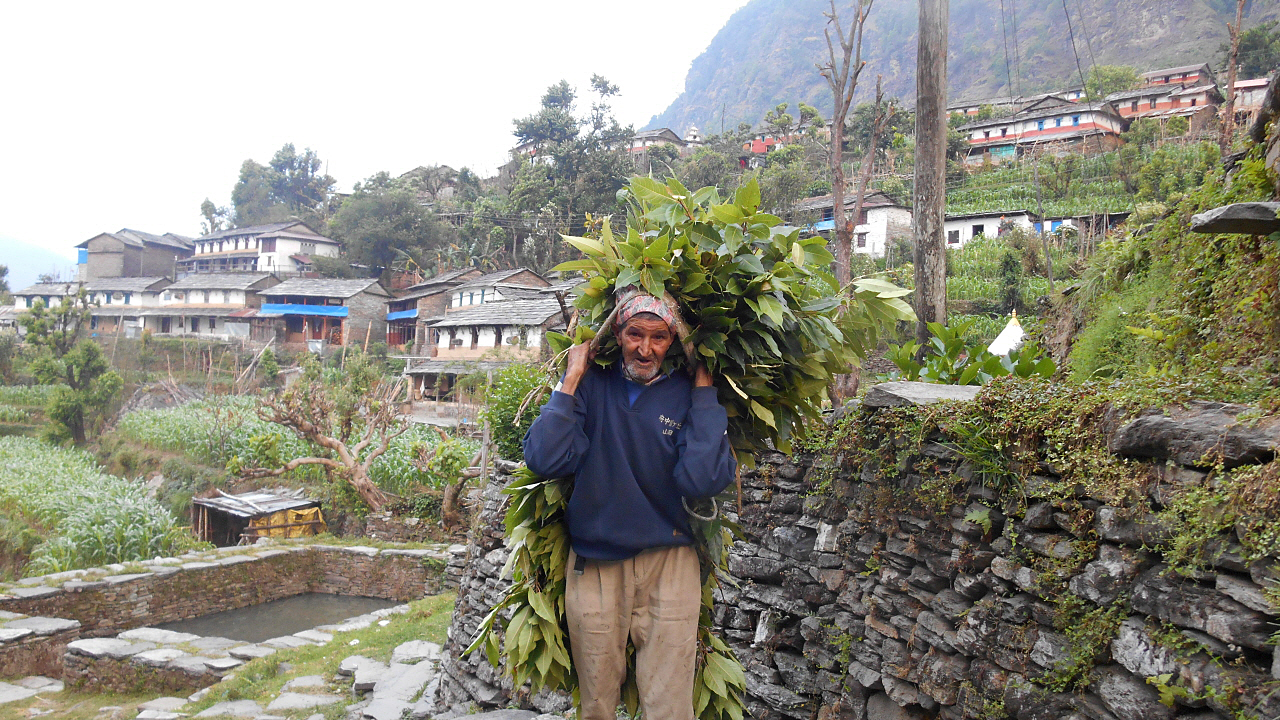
column 121, row 302
column 235, row 519
column 883, row 220
column 310, row 313
column 208, row 305
column 409, row 313
column 131, row 253
column 487, row 336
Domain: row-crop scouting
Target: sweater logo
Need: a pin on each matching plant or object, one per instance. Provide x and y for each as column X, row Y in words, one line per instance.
column 671, row 425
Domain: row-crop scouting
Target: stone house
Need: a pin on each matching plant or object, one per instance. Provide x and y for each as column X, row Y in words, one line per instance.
column 485, row 337
column 1052, row 122
column 883, row 220
column 314, row 312
column 283, row 248
column 409, row 313
column 215, row 305
column 122, row 302
column 131, row 253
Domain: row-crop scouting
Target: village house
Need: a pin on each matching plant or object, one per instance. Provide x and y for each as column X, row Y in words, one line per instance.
column 50, row 294
column 883, row 220
column 960, row 228
column 1198, row 103
column 485, row 337
column 645, row 139
column 409, row 313
column 131, row 253
column 121, row 303
column 214, row 305
column 315, row 312
column 1186, row 75
column 1054, row 122
column 1248, row 97
column 283, row 248
column 501, row 285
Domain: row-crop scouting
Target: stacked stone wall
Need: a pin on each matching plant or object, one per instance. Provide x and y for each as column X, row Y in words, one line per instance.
column 842, row 605
column 172, row 589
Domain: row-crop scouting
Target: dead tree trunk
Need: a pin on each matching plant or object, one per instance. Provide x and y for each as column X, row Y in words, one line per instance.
column 1229, row 110
column 931, row 168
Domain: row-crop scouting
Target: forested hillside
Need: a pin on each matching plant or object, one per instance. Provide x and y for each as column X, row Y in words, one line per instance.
column 766, row 52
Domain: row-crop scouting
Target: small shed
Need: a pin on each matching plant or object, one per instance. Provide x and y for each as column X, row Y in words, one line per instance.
column 232, row 519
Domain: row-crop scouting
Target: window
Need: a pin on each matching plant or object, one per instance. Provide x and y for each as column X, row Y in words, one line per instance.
column 108, row 297
column 212, row 324
column 269, row 245
column 1057, row 122
column 953, row 237
column 986, row 134
column 978, row 230
column 1193, row 102
column 1151, row 103
column 308, row 248
column 226, row 296
column 1134, row 106
column 862, row 240
column 195, row 324
column 93, row 323
column 128, row 298
column 1075, row 120
column 168, row 296
column 471, row 299
column 1004, row 131
column 1039, row 124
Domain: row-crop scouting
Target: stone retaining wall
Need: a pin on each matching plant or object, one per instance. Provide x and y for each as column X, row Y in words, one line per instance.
column 170, row 589
column 842, row 606
column 34, row 645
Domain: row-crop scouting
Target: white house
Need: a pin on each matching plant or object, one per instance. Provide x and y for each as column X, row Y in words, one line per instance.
column 209, row 305
column 883, row 220
column 517, row 326
column 961, row 228
column 283, row 248
column 121, row 302
column 50, row 294
column 517, row 284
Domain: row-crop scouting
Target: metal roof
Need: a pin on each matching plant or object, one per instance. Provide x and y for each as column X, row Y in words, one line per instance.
column 254, row 504
column 326, row 287
column 219, row 281
column 503, row 312
column 123, row 284
column 59, row 289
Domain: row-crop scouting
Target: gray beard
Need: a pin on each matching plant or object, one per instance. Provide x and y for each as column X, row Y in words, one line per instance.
column 633, row 374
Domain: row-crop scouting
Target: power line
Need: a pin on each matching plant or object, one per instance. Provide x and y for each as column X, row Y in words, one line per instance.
column 1071, row 31
column 1084, row 30
column 1004, row 35
column 1017, row 57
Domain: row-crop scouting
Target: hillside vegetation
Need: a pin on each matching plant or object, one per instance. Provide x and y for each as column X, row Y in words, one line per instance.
column 765, row 54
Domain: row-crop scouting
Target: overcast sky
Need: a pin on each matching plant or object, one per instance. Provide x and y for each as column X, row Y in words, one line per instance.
column 129, row 114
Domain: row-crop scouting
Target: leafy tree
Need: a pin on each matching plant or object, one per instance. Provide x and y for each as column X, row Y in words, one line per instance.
column 710, row 167
column 88, row 385
column 4, row 279
column 382, row 218
column 1259, row 50
column 215, row 218
column 291, row 185
column 898, row 123
column 1106, row 79
column 270, row 368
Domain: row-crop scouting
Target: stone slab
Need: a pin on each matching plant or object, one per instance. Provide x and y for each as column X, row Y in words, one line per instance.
column 314, row 636
column 385, row 709
column 14, row 693
column 100, row 647
column 28, row 593
column 222, row 664
column 415, row 651
column 236, row 708
column 44, row 625
column 158, row 657
column 11, row 634
column 159, row 715
column 210, row 644
column 902, row 393
column 1250, row 218
column 167, row 704
column 287, row 642
column 41, row 683
column 121, row 579
column 305, row 681
column 250, row 652
column 158, row 636
column 299, row 701
column 403, row 682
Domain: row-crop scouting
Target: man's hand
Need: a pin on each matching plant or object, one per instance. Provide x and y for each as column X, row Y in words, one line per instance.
column 579, row 356
column 703, row 377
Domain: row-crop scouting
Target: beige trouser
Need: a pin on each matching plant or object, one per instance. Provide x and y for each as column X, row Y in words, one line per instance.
column 654, row 597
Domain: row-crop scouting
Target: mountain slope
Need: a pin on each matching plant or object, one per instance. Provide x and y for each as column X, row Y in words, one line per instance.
column 767, row 52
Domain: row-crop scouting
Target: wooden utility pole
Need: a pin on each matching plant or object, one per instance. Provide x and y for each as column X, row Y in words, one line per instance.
column 841, row 72
column 1044, row 240
column 1229, row 110
column 929, row 208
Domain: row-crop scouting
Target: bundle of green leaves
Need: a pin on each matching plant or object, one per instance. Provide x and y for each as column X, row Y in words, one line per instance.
column 768, row 318
column 772, row 325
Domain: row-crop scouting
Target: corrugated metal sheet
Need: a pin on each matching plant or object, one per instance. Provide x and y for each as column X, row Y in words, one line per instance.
column 255, row 504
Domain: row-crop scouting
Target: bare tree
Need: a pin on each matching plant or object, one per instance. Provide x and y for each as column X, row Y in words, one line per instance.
column 841, row 72
column 879, row 120
column 355, row 421
column 1229, row 110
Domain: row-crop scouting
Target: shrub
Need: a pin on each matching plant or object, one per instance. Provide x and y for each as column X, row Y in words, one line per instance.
column 511, row 386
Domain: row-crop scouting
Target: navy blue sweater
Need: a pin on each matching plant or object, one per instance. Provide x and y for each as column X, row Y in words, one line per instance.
column 631, row 462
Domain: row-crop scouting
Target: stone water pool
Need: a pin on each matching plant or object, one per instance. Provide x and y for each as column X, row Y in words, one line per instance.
column 257, row 623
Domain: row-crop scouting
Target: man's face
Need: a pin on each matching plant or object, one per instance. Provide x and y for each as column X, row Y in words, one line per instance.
column 644, row 345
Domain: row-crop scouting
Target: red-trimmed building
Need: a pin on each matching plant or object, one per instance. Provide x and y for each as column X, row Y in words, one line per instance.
column 1053, row 120
column 1185, row 75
